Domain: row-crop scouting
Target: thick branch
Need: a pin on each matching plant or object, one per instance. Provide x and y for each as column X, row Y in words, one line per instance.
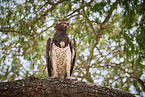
column 56, row 88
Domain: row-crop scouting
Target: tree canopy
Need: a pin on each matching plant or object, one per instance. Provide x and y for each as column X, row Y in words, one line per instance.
column 110, row 37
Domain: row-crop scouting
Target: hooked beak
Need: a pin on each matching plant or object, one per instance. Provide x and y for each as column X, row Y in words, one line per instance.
column 65, row 25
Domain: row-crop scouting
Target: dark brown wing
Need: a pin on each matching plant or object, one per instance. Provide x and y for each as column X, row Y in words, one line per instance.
column 73, row 52
column 48, row 57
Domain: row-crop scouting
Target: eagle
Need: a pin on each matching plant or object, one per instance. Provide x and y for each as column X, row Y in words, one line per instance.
column 60, row 53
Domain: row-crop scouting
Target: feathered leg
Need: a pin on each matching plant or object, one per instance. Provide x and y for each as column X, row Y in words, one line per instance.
column 68, row 64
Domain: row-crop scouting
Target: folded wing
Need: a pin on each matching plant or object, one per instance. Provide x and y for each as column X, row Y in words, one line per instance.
column 48, row 57
column 73, row 53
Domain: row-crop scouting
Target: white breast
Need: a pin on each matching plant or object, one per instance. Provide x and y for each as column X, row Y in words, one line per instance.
column 60, row 58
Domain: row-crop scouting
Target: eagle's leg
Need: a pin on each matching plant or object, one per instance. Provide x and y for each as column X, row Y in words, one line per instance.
column 68, row 71
column 55, row 71
column 54, row 66
column 68, row 65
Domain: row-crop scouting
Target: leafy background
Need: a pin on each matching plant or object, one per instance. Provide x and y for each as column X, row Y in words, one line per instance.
column 110, row 36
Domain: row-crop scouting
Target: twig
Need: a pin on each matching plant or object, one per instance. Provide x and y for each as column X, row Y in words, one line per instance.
column 102, row 25
column 76, row 10
column 47, row 11
column 12, row 31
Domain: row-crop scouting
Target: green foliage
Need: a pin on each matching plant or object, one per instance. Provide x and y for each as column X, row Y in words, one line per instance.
column 116, row 60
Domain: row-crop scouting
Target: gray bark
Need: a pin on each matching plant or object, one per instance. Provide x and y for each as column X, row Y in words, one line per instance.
column 36, row 87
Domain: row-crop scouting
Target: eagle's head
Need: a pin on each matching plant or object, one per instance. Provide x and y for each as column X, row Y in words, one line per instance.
column 61, row 25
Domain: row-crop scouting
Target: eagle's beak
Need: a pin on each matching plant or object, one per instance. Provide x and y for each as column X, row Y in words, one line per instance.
column 65, row 25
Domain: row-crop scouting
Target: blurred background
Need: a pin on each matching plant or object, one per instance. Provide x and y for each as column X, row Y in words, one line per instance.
column 110, row 37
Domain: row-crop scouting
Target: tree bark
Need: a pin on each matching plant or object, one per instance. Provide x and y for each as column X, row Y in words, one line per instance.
column 36, row 87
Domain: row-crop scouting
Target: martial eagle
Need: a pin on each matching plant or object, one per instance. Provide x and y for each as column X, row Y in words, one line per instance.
column 60, row 53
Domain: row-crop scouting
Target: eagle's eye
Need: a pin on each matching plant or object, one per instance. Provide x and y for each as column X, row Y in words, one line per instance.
column 61, row 23
column 67, row 23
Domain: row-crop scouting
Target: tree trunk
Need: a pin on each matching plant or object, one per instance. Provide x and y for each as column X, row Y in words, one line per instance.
column 35, row 87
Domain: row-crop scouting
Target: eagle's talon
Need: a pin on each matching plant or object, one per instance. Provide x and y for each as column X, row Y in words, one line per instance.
column 68, row 79
column 53, row 77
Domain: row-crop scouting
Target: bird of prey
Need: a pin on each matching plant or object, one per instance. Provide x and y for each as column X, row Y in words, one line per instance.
column 60, row 53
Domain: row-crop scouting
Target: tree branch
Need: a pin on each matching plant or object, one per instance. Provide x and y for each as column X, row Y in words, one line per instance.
column 34, row 38
column 110, row 12
column 76, row 10
column 18, row 32
column 137, row 78
column 114, row 66
column 90, row 24
column 47, row 11
column 99, row 51
column 36, row 87
column 41, row 7
column 102, row 25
